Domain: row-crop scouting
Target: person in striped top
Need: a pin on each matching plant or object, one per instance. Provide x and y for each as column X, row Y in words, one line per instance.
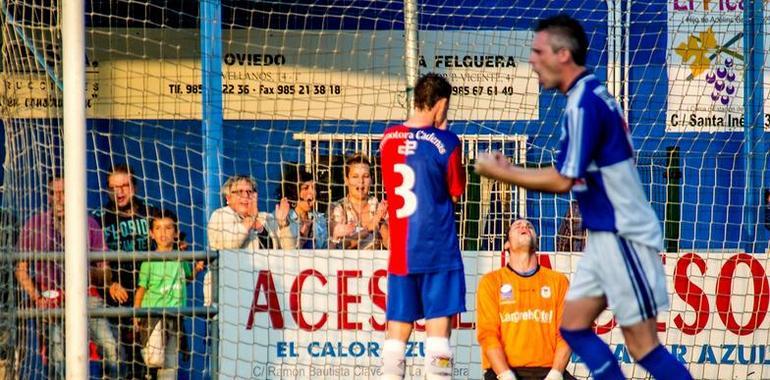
column 620, row 267
column 423, row 178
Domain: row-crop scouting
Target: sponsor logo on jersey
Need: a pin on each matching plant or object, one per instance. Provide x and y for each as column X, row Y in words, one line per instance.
column 535, row 315
column 408, row 149
column 545, row 292
column 506, row 294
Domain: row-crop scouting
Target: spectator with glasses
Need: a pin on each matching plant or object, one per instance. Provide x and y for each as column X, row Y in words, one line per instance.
column 240, row 224
column 124, row 221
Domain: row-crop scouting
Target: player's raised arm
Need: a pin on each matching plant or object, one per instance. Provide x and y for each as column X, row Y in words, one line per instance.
column 496, row 166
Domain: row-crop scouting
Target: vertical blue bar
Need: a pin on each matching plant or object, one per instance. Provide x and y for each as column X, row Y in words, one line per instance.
column 754, row 114
column 211, row 78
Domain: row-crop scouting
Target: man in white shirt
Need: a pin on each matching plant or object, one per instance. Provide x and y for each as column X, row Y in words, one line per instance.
column 239, row 225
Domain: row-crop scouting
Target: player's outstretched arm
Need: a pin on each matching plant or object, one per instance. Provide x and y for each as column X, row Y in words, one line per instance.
column 496, row 166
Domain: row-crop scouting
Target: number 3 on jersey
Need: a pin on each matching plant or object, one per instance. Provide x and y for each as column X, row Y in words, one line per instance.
column 405, row 191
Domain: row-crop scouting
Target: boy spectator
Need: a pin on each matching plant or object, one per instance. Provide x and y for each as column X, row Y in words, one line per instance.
column 163, row 284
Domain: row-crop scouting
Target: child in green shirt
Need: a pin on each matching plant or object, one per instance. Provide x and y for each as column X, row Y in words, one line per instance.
column 163, row 284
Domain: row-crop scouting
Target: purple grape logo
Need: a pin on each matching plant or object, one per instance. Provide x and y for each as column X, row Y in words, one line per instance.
column 723, row 81
column 703, row 54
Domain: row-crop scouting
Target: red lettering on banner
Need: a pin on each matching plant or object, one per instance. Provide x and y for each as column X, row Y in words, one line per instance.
column 724, row 292
column 605, row 328
column 691, row 294
column 457, row 323
column 688, row 271
column 344, row 299
column 295, row 300
column 377, row 296
column 272, row 306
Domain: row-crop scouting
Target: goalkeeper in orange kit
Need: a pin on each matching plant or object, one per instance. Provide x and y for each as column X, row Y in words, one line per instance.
column 519, row 308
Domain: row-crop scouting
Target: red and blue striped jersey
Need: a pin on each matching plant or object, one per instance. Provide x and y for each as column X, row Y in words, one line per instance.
column 421, row 170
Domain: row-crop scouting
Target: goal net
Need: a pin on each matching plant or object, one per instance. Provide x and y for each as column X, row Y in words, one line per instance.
column 305, row 86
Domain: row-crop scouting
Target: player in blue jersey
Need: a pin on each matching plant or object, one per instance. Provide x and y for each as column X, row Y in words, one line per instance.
column 620, row 267
column 423, row 179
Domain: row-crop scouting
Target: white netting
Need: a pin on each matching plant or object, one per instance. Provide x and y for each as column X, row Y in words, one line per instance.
column 306, row 84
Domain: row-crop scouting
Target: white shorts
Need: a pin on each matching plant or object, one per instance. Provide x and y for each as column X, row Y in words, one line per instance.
column 629, row 274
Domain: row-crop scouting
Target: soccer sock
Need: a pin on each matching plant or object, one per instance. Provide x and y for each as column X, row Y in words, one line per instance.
column 594, row 352
column 438, row 358
column 664, row 366
column 393, row 365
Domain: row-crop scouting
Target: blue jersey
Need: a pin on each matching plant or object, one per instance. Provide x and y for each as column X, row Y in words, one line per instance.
column 421, row 172
column 596, row 151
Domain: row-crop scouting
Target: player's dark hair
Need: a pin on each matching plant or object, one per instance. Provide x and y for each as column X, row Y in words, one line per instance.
column 431, row 88
column 535, row 242
column 163, row 214
column 566, row 33
column 358, row 158
column 55, row 177
column 122, row 169
column 292, row 183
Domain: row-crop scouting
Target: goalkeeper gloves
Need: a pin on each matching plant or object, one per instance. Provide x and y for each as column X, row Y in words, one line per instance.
column 507, row 375
column 554, row 375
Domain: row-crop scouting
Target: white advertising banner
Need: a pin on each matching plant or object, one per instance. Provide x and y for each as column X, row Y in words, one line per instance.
column 287, row 75
column 319, row 314
column 705, row 61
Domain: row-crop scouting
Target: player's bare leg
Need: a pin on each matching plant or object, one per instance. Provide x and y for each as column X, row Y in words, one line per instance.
column 581, row 313
column 438, row 355
column 394, row 350
column 641, row 338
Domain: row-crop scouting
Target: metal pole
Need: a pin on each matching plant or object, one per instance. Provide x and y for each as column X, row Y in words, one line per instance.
column 76, row 226
column 411, row 50
column 211, row 76
column 753, row 148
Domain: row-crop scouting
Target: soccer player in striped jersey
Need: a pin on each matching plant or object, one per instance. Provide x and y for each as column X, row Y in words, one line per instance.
column 423, row 179
column 620, row 267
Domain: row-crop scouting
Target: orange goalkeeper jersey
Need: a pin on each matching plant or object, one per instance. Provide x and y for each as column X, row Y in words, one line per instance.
column 521, row 314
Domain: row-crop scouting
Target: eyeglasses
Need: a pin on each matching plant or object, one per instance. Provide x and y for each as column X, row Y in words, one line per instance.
column 124, row 188
column 243, row 193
